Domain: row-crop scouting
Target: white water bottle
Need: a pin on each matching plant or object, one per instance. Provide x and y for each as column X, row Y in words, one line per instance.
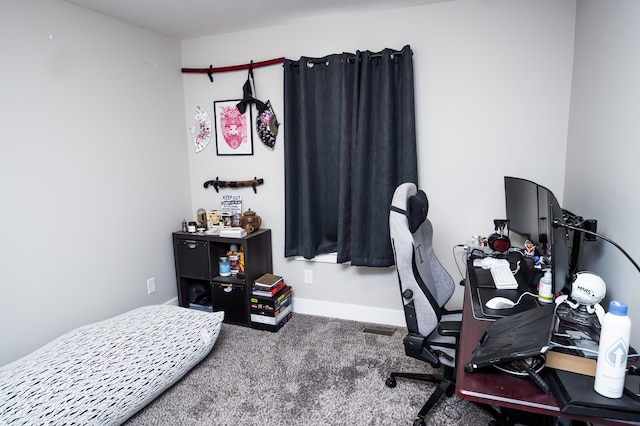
column 545, row 290
column 612, row 351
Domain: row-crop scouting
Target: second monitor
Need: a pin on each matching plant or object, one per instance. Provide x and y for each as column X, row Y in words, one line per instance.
column 531, row 209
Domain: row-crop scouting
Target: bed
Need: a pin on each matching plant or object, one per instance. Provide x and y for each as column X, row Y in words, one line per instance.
column 103, row 373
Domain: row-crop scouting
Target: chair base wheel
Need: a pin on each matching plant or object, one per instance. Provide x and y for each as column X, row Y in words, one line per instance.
column 419, row 422
column 390, row 382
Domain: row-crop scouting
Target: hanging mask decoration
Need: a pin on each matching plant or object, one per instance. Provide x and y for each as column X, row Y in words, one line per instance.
column 267, row 126
column 267, row 122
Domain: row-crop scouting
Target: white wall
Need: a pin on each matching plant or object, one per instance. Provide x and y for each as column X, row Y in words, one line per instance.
column 94, row 173
column 492, row 99
column 96, row 163
column 602, row 171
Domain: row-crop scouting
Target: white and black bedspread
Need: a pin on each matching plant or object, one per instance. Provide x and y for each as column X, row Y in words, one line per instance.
column 103, row 373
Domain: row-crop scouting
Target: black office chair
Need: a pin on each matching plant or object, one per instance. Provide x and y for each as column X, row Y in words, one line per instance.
column 425, row 287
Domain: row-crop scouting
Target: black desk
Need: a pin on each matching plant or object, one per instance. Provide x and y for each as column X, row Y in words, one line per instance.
column 499, row 389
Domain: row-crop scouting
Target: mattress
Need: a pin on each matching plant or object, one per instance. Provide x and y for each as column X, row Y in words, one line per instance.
column 103, row 373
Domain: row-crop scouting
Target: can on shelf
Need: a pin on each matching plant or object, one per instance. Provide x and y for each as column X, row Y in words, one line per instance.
column 224, row 266
column 234, row 263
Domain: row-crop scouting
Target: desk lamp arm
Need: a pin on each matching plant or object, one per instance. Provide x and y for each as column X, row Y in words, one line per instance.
column 557, row 223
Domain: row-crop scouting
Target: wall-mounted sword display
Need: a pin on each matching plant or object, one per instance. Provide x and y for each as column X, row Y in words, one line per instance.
column 217, row 184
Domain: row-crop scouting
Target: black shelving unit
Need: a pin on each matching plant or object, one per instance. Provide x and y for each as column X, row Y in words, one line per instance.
column 196, row 261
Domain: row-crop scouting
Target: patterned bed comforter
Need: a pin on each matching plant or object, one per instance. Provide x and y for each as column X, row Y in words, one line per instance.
column 103, row 373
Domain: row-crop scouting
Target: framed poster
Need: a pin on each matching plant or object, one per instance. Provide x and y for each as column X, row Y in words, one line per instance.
column 234, row 134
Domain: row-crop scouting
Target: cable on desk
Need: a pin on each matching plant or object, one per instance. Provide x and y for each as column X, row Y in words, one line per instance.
column 481, row 253
column 553, row 345
column 526, row 293
column 453, row 250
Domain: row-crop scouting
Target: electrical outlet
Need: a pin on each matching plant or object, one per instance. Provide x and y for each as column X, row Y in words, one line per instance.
column 151, row 285
column 308, row 276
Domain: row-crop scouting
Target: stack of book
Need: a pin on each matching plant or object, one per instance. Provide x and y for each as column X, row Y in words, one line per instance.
column 270, row 303
column 235, row 232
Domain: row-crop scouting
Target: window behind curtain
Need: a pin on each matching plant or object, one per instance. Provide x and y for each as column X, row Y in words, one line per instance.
column 350, row 140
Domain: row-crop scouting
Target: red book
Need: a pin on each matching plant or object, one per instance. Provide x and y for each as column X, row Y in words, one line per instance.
column 270, row 293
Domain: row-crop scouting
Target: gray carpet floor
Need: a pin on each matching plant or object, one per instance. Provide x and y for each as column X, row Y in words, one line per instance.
column 314, row 371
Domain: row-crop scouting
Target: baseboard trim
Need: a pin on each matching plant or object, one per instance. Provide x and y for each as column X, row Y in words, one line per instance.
column 349, row 312
column 341, row 311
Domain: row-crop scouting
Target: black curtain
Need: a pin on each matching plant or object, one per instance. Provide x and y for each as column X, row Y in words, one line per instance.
column 349, row 141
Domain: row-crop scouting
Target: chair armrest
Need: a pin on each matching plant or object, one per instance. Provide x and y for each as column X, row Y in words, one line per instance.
column 450, row 328
column 416, row 346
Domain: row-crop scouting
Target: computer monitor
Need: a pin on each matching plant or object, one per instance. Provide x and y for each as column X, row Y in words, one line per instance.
column 527, row 211
column 559, row 247
column 531, row 209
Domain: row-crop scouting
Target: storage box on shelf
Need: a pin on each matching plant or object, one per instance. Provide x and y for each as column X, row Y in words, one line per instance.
column 196, row 262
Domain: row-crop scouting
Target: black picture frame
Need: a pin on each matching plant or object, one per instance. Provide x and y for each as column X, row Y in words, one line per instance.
column 234, row 131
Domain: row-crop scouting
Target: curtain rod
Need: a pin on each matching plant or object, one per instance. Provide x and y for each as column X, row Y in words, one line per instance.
column 209, row 71
column 350, row 58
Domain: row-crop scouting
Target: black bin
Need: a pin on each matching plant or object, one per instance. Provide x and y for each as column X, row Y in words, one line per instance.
column 193, row 258
column 230, row 298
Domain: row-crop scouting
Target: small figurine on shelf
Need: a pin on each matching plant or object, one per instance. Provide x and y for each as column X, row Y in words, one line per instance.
column 201, row 214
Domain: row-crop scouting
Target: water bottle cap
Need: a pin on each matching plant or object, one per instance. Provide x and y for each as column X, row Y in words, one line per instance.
column 617, row 308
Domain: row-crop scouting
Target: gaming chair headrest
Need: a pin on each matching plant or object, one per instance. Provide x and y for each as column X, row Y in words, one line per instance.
column 417, row 209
